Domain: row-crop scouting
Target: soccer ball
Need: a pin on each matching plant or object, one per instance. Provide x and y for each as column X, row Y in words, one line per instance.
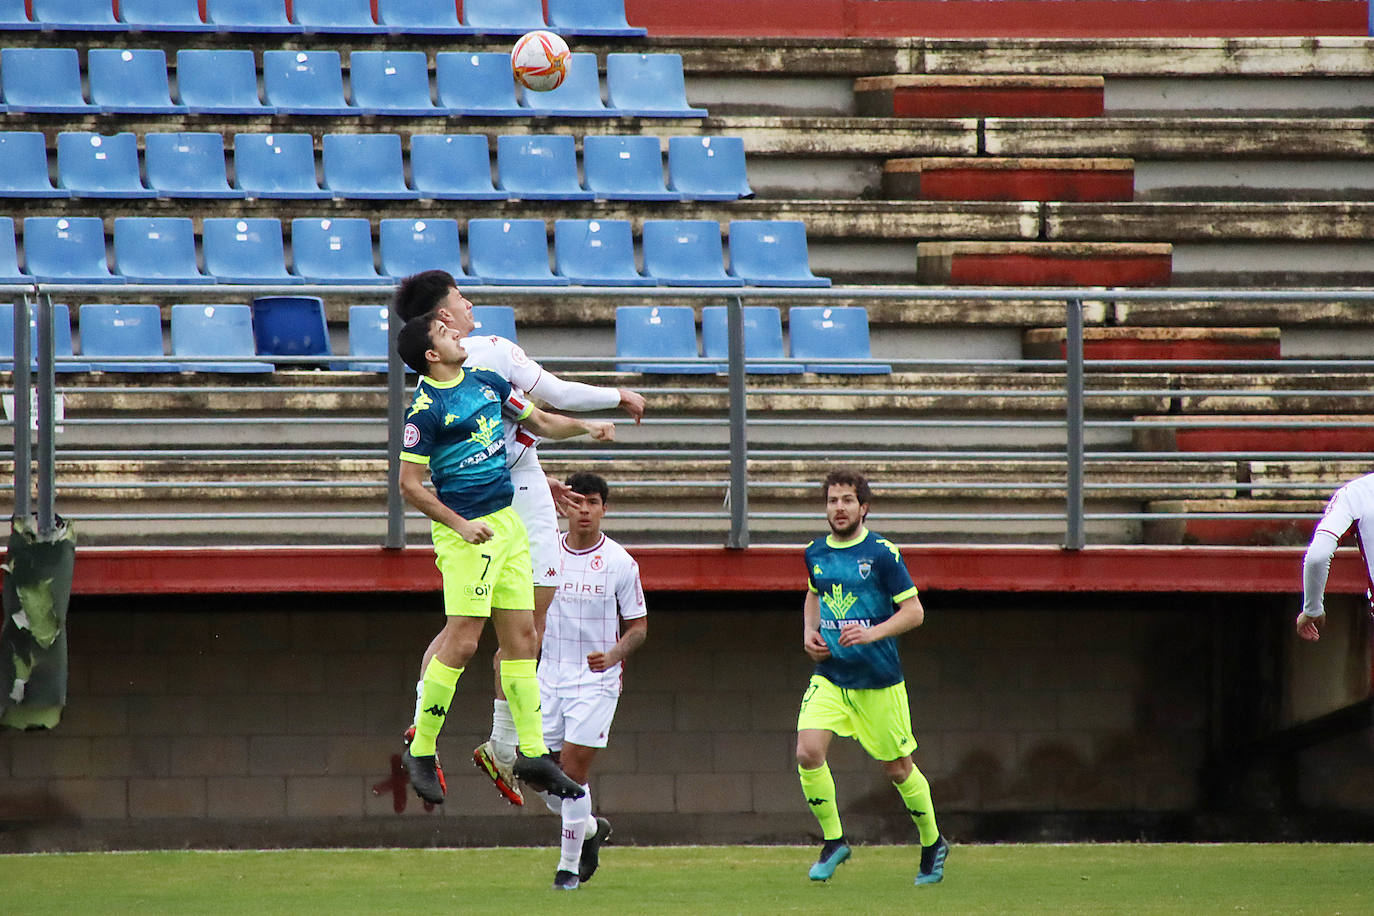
column 540, row 60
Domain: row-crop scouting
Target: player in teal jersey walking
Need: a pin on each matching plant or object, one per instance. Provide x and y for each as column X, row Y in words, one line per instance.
column 860, row 597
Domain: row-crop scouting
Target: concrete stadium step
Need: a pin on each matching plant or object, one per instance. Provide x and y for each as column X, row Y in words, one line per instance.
column 1233, row 531
column 1181, row 137
column 963, row 96
column 1157, row 343
column 1266, row 433
column 1300, row 479
column 1044, row 263
column 1334, row 220
column 1048, row 179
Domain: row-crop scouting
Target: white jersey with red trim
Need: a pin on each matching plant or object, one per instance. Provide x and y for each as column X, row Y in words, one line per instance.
column 512, row 363
column 1353, row 504
column 598, row 587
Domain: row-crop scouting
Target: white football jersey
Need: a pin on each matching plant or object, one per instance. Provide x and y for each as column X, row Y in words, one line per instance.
column 505, row 358
column 1353, row 504
column 597, row 588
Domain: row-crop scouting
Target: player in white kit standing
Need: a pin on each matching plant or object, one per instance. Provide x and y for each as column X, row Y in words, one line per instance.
column 437, row 291
column 1351, row 505
column 596, row 620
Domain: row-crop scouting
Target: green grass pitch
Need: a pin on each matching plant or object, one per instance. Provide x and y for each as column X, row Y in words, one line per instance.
column 1059, row 879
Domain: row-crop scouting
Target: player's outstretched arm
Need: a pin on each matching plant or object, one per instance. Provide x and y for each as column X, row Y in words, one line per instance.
column 559, row 426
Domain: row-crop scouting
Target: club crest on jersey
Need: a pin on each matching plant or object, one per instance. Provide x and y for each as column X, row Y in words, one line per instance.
column 412, row 435
column 489, row 394
column 597, row 563
column 865, row 567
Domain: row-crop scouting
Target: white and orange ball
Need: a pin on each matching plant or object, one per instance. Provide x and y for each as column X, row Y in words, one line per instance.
column 540, row 60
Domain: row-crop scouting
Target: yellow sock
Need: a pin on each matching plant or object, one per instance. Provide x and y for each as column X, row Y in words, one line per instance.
column 819, row 788
column 436, row 693
column 522, row 694
column 916, row 796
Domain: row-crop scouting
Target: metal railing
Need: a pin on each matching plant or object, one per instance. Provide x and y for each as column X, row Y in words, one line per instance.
column 1070, row 389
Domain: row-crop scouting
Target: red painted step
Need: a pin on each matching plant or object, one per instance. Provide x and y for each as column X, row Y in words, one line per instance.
column 959, row 96
column 1044, row 263
column 967, row 178
column 1157, row 343
column 1251, row 532
column 1202, row 434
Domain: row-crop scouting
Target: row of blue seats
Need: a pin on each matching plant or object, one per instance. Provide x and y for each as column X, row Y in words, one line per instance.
column 480, row 17
column 295, row 326
column 396, row 83
column 340, row 250
column 372, row 167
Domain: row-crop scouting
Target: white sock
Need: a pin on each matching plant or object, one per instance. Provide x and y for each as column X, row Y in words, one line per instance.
column 503, row 737
column 576, row 813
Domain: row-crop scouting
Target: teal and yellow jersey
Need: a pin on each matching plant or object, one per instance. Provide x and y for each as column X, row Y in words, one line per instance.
column 860, row 581
column 455, row 428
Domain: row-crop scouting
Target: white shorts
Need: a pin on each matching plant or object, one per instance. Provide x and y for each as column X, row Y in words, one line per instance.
column 534, row 504
column 582, row 719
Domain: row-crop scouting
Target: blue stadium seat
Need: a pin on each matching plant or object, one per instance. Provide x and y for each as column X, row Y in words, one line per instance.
column 163, row 16
column 24, row 166
column 125, row 81
column 768, row 252
column 538, row 167
column 821, row 332
column 452, row 167
column 685, row 252
column 649, row 332
column 353, row 17
column 215, row 330
column 365, row 167
column 421, row 17
column 61, row 339
column 290, row 326
column 305, row 82
column 762, row 338
column 187, row 165
column 14, row 16
column 9, row 253
column 494, row 320
column 369, row 334
column 391, row 83
column 648, row 86
column 625, row 168
column 333, row 250
column 238, row 250
column 476, row 84
column 123, row 331
column 596, row 252
column 267, row 16
column 95, row 165
column 708, row 168
column 66, row 248
column 156, row 250
column 408, row 246
column 578, row 97
column 503, row 17
column 219, row 81
column 511, row 252
column 42, row 79
column 591, row 17
column 77, row 15
column 277, row 166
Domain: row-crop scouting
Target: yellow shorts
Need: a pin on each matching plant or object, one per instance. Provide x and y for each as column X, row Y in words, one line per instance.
column 879, row 718
column 478, row 577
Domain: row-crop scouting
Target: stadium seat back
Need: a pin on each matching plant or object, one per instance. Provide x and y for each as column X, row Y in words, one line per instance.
column 266, row 16
column 215, row 330
column 503, row 17
column 686, row 252
column 14, row 16
column 452, row 167
column 767, row 252
column 244, row 250
column 325, row 16
column 365, row 167
column 625, row 168
column 598, row 252
column 391, row 82
column 163, row 15
column 333, row 250
column 187, row 165
column 9, row 252
column 497, row 320
column 510, row 252
column 67, row 248
column 219, row 81
column 369, row 334
column 24, row 165
column 409, row 246
column 84, row 15
column 61, row 338
column 476, row 83
column 156, row 250
column 539, row 167
column 100, row 165
column 277, row 166
column 590, row 17
column 421, row 16
column 123, row 331
column 708, row 168
column 649, row 85
column 644, row 333
column 578, row 96
column 130, row 81
column 762, row 337
column 305, row 82
column 830, row 335
column 290, row 326
column 42, row 79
